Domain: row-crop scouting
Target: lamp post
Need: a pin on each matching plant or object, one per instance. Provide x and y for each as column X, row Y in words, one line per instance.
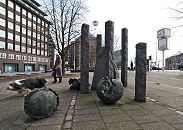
column 95, row 24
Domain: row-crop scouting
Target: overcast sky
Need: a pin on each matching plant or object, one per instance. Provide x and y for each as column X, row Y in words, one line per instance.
column 143, row 18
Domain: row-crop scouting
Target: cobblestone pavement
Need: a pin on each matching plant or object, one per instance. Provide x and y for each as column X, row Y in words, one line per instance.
column 85, row 112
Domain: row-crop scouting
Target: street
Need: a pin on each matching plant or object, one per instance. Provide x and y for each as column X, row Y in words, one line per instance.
column 164, row 88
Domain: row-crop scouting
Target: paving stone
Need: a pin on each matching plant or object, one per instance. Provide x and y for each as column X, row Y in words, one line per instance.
column 69, row 117
column 48, row 121
column 112, row 111
column 45, row 127
column 154, row 107
column 157, row 126
column 86, row 111
column 164, row 112
column 89, row 125
column 179, row 126
column 86, row 117
column 116, row 118
column 130, row 125
column 146, row 119
column 70, row 111
column 138, row 112
column 173, row 119
column 12, row 127
column 85, row 106
column 130, row 107
column 67, row 125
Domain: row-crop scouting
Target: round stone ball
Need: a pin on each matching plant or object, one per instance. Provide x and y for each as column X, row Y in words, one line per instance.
column 109, row 91
column 41, row 103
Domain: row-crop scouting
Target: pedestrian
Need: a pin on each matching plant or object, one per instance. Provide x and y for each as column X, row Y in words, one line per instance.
column 131, row 64
column 57, row 73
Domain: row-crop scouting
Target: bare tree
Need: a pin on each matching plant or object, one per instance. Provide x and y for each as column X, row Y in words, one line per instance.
column 66, row 16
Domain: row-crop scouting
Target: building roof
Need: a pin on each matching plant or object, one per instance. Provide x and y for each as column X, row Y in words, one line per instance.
column 35, row 2
column 35, row 7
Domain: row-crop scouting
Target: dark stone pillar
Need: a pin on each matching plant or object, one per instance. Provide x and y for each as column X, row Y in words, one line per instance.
column 140, row 75
column 110, row 64
column 124, row 57
column 100, row 60
column 84, row 59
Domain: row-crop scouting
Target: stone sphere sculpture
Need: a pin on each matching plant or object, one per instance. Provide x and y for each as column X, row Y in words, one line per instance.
column 41, row 103
column 109, row 91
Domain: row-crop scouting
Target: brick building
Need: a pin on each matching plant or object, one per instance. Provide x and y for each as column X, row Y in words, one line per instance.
column 173, row 61
column 24, row 37
column 73, row 57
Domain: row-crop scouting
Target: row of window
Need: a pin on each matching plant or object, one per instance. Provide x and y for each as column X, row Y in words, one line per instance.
column 19, row 57
column 17, row 48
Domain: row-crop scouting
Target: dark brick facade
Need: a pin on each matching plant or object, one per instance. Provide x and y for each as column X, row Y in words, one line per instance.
column 25, row 39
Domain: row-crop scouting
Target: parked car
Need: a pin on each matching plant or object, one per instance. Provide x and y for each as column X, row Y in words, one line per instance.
column 180, row 66
column 155, row 68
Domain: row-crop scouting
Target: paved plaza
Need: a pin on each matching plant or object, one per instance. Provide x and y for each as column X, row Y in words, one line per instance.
column 78, row 111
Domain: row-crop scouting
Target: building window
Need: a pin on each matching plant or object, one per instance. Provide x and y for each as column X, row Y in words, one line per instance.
column 17, row 18
column 38, row 52
column 46, row 47
column 34, row 18
column 34, row 59
column 24, row 12
column 2, row 44
column 18, row 57
column 3, row 1
column 3, row 55
column 2, row 11
column 42, row 59
column 46, row 59
column 38, row 20
column 23, row 49
column 17, row 28
column 46, row 39
column 24, row 21
column 10, row 4
column 17, row 47
column 34, row 34
column 38, row 36
column 23, row 40
column 29, row 15
column 10, row 14
column 29, row 24
column 39, row 59
column 42, row 45
column 10, row 46
column 10, row 25
column 34, row 43
column 29, row 32
column 11, row 56
column 24, row 57
column 46, row 53
column 34, row 26
column 46, row 25
column 17, row 8
column 23, row 30
column 42, row 52
column 29, row 41
column 2, row 22
column 2, row 33
column 10, row 36
column 28, row 50
column 33, row 51
column 29, row 58
column 17, row 38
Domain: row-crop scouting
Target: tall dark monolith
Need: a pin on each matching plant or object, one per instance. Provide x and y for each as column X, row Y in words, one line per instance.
column 84, row 75
column 140, row 75
column 124, row 57
column 110, row 66
column 100, row 60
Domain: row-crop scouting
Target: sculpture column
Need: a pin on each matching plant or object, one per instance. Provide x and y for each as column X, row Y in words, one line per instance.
column 140, row 75
column 84, row 75
column 99, row 66
column 124, row 57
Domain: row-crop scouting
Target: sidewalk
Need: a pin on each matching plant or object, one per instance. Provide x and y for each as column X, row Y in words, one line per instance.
column 85, row 112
